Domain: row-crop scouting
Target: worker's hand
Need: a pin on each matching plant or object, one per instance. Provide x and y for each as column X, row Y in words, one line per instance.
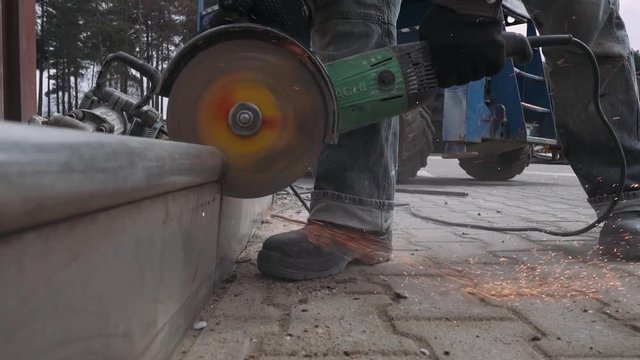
column 230, row 12
column 464, row 48
column 222, row 17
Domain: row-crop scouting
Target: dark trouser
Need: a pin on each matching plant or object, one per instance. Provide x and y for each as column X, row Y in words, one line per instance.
column 355, row 182
column 587, row 146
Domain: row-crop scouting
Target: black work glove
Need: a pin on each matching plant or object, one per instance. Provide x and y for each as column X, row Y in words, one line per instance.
column 290, row 16
column 229, row 12
column 464, row 48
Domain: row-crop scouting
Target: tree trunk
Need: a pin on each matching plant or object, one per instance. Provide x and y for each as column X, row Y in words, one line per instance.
column 70, row 97
column 75, row 85
column 48, row 92
column 40, row 88
column 148, row 57
column 61, row 87
column 57, row 87
column 157, row 65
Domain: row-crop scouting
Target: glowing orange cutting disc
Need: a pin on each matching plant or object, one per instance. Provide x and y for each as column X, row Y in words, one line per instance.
column 261, row 100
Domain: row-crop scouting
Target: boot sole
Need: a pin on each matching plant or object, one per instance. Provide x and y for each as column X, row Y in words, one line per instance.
column 274, row 265
column 620, row 252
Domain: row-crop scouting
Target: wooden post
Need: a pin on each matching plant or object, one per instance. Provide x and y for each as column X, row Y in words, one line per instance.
column 18, row 59
column 1, row 60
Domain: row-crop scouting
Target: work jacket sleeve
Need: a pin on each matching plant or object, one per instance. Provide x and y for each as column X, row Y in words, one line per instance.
column 486, row 8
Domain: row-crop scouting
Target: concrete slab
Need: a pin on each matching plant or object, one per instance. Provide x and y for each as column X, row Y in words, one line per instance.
column 471, row 340
column 334, row 325
column 437, row 298
column 576, row 328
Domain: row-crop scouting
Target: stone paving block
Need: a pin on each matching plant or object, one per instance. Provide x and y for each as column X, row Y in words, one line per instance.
column 437, row 297
column 550, row 274
column 462, row 252
column 426, row 236
column 583, row 249
column 403, row 263
column 500, row 283
column 253, row 325
column 623, row 299
column 351, row 356
column 576, row 328
column 628, row 267
column 405, row 240
column 245, row 308
column 471, row 340
column 246, row 296
column 504, row 242
column 402, row 219
column 599, row 358
column 286, row 294
column 332, row 325
column 218, row 346
column 544, row 257
column 562, row 222
column 495, row 216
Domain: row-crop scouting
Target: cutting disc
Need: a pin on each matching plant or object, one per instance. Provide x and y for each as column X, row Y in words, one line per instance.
column 259, row 97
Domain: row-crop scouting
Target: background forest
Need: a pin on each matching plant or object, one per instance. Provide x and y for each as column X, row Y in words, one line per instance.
column 73, row 36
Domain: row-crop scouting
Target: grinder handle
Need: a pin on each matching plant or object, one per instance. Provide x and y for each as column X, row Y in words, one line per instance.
column 134, row 63
column 517, row 47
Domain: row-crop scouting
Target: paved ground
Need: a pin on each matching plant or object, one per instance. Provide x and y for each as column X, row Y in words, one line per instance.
column 448, row 293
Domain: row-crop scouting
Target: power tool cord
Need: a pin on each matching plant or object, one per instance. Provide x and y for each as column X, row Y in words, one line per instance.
column 297, row 194
column 557, row 40
column 537, row 42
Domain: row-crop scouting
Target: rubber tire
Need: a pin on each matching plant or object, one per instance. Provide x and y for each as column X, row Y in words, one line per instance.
column 501, row 167
column 415, row 143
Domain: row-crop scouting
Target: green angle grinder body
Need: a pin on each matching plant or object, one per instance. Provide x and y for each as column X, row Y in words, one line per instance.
column 270, row 106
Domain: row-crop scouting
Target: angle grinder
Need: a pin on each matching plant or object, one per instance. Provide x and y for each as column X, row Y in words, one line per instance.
column 270, row 105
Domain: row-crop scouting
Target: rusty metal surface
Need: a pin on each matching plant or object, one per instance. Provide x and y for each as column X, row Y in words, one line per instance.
column 19, row 59
column 52, row 174
column 124, row 283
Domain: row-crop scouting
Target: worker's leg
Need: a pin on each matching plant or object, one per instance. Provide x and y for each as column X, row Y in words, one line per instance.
column 355, row 182
column 587, row 146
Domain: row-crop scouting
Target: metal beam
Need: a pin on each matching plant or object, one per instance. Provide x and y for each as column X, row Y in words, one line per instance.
column 18, row 59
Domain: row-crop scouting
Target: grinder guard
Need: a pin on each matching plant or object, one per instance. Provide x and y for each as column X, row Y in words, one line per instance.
column 258, row 96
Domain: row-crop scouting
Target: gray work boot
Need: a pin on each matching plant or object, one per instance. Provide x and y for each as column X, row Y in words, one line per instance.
column 320, row 249
column 620, row 236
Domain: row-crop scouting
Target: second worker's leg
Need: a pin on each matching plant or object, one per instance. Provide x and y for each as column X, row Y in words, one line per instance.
column 587, row 145
column 352, row 202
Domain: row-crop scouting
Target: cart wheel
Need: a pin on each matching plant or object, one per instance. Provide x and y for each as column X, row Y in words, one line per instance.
column 500, row 167
column 416, row 143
